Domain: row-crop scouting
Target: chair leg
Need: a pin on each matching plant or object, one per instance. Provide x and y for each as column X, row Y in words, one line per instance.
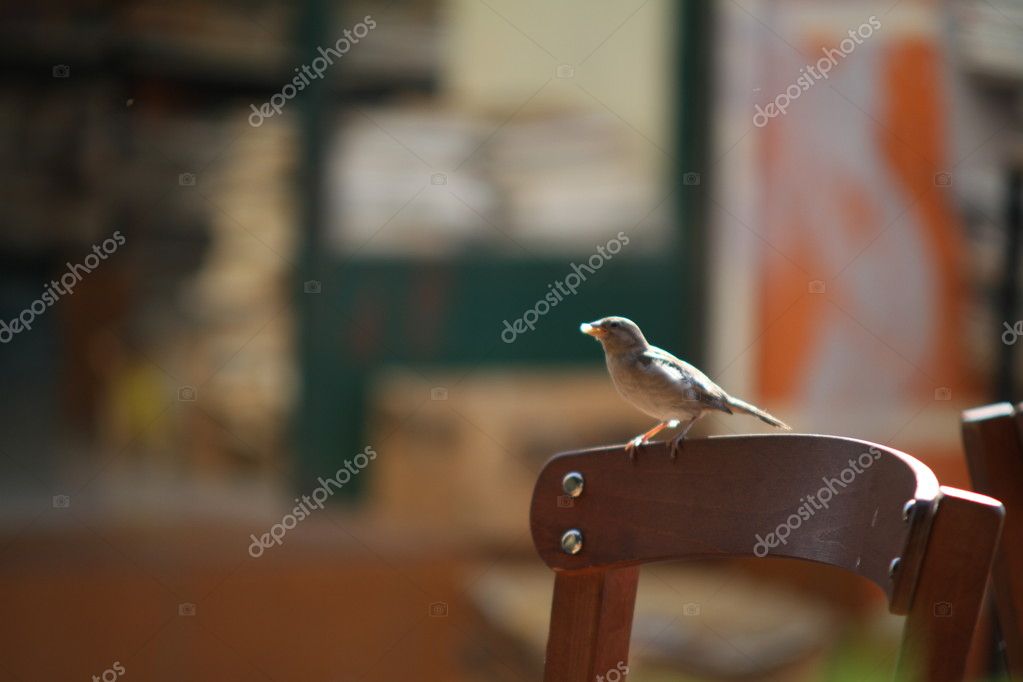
column 591, row 622
column 950, row 587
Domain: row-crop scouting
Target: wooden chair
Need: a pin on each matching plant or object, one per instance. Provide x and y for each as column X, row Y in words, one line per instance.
column 993, row 440
column 596, row 517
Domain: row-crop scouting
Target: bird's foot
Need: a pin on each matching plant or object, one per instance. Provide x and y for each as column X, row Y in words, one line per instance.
column 633, row 445
column 676, row 446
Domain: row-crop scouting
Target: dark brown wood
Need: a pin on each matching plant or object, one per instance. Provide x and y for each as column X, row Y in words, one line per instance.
column 726, row 496
column 993, row 441
column 591, row 621
column 950, row 587
column 869, row 509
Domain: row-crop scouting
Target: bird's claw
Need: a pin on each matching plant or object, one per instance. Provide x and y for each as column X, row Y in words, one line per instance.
column 632, row 446
column 676, row 447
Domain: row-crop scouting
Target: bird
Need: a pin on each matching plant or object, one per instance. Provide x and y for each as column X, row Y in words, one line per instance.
column 656, row 382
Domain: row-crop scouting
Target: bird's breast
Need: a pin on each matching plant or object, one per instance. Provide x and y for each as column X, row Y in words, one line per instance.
column 652, row 391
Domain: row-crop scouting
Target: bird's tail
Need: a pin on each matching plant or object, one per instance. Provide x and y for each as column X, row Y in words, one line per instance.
column 743, row 406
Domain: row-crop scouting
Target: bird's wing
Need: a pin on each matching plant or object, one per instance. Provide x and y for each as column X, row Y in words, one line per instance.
column 705, row 390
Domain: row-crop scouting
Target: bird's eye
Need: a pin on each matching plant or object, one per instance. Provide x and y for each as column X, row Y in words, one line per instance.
column 614, row 325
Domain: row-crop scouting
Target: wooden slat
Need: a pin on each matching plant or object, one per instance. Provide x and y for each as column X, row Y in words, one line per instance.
column 950, row 587
column 591, row 622
column 723, row 495
column 993, row 440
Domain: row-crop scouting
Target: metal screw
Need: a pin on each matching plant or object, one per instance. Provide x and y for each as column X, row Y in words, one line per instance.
column 893, row 567
column 572, row 483
column 572, row 541
column 907, row 510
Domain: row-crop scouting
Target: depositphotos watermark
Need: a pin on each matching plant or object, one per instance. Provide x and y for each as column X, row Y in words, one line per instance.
column 308, row 72
column 562, row 288
column 110, row 674
column 65, row 287
column 812, row 503
column 305, row 506
column 1012, row 333
column 615, row 674
column 809, row 75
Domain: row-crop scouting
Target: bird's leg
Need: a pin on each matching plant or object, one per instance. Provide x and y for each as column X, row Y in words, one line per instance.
column 641, row 439
column 676, row 443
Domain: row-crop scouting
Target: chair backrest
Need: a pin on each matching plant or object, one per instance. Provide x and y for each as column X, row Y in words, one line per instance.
column 993, row 440
column 874, row 511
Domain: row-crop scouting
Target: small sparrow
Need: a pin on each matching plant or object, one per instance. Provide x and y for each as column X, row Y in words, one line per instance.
column 659, row 384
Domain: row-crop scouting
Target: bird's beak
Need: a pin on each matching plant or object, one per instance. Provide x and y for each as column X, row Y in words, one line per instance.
column 592, row 329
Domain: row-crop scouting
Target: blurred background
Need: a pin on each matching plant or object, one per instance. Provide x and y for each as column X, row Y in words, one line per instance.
column 277, row 255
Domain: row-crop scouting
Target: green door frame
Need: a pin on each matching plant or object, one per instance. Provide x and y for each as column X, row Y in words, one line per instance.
column 378, row 297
